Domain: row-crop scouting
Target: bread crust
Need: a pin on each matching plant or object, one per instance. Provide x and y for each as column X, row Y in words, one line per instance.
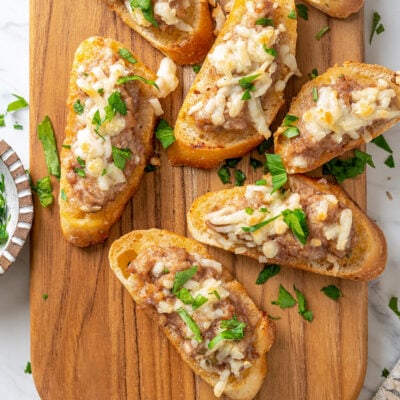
column 87, row 228
column 365, row 75
column 182, row 47
column 205, row 149
column 337, row 8
column 127, row 248
column 368, row 257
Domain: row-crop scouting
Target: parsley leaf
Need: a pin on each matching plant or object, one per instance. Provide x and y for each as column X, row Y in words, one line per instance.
column 393, row 306
column 285, row 299
column 43, row 189
column 2, row 121
column 322, row 32
column 232, row 162
column 165, row 133
column 260, row 225
column 381, row 142
column 247, row 84
column 121, row 156
column 196, row 68
column 233, row 329
column 28, row 368
column 376, row 26
column 292, row 14
column 332, row 292
column 17, row 104
column 291, row 132
column 255, row 163
column 296, row 220
column 390, row 162
column 182, row 277
column 48, row 139
column 265, row 21
column 289, row 119
column 129, row 78
column 277, row 170
column 385, row 373
column 270, row 50
column 18, row 126
column 240, row 177
column 265, row 145
column 302, row 10
column 187, row 319
column 224, row 174
column 302, row 305
column 147, row 10
column 268, row 272
column 313, row 74
column 78, row 107
column 115, row 104
column 315, row 94
column 127, row 55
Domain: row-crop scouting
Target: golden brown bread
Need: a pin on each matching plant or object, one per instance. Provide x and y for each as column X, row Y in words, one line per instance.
column 86, row 211
column 128, row 248
column 337, row 8
column 181, row 46
column 202, row 142
column 362, row 258
column 349, row 99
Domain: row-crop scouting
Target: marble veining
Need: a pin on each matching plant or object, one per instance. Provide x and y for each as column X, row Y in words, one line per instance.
column 383, row 206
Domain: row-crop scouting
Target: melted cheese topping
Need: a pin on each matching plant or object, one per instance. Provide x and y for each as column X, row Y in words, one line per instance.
column 241, row 54
column 331, row 116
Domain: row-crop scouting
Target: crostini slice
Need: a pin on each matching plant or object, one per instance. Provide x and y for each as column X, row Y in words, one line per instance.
column 337, row 8
column 182, row 30
column 337, row 111
column 206, row 314
column 307, row 224
column 239, row 89
column 112, row 107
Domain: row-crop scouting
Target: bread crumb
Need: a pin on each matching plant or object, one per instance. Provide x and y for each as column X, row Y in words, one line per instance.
column 155, row 161
column 389, row 195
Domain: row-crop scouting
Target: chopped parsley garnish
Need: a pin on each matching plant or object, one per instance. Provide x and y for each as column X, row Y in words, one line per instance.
column 385, row 373
column 232, row 162
column 18, row 126
column 377, row 27
column 48, row 139
column 63, row 195
column 302, row 305
column 66, row 146
column 80, row 172
column 315, row 94
column 349, row 168
column 182, row 277
column 233, row 329
column 270, row 50
column 2, row 121
column 260, row 225
column 291, row 132
column 28, row 368
column 96, row 120
column 261, row 182
column 265, row 145
column 43, row 189
column 313, row 74
column 381, row 142
column 247, row 84
column 121, row 156
column 216, row 294
column 4, row 218
column 196, row 68
column 17, row 104
column 165, row 133
column 322, row 32
column 296, row 221
column 292, row 14
column 115, row 104
column 186, row 298
column 289, row 119
column 332, row 291
column 240, row 177
column 78, row 107
column 285, row 299
column 100, row 91
column 129, row 78
column 249, row 210
column 268, row 272
column 393, row 306
column 81, row 162
column 277, row 170
column 147, row 10
column 255, row 163
column 224, row 174
column 150, row 168
column 389, row 162
column 187, row 319
column 265, row 21
column 127, row 55
column 302, row 10
column 45, row 296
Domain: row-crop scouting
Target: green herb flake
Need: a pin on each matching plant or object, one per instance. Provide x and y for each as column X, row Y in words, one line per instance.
column 270, row 50
column 302, row 305
column 277, row 170
column 313, row 74
column 261, row 182
column 260, row 225
column 381, row 142
column 264, row 210
column 2, row 120
column 247, row 84
column 63, row 195
column 130, row 78
column 232, row 329
column 322, row 32
column 4, row 217
column 150, row 168
column 121, row 156
column 255, row 163
column 268, row 272
column 18, row 126
column 292, row 14
column 389, row 162
column 48, row 139
column 232, row 162
column 66, row 146
column 315, row 94
column 100, row 91
column 43, row 189
column 285, row 299
column 146, row 7
column 249, row 210
column 127, row 55
column 80, row 172
column 115, row 104
column 240, row 177
column 165, row 134
column 17, row 104
column 45, row 296
column 187, row 319
column 265, row 145
column 216, row 294
column 224, row 174
column 302, row 11
column 198, row 301
column 274, row 318
column 349, row 168
column 265, row 22
column 28, row 368
column 289, row 120
column 385, row 373
column 78, row 107
column 196, row 68
column 182, row 277
column 393, row 306
column 377, row 27
column 296, row 221
column 332, row 291
column 291, row 132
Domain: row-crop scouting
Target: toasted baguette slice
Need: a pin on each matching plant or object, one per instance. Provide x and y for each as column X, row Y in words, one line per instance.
column 93, row 190
column 337, row 8
column 342, row 241
column 187, row 45
column 337, row 111
column 215, row 122
column 147, row 262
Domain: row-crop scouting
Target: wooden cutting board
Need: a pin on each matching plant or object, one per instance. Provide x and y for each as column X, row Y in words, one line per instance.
column 88, row 341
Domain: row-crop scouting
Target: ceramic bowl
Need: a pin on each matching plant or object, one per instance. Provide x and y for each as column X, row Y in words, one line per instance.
column 18, row 197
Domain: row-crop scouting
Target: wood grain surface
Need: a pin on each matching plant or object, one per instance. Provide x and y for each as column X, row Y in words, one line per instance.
column 88, row 341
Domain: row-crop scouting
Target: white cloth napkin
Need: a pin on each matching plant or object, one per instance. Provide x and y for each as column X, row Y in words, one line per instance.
column 390, row 388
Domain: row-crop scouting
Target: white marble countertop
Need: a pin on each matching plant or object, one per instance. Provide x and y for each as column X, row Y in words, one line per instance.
column 383, row 206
